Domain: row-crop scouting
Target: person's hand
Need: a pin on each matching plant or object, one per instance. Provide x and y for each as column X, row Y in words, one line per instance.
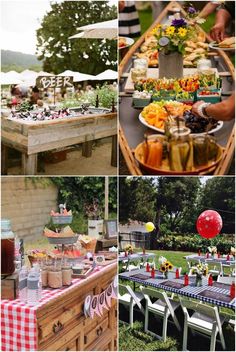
column 121, row 6
column 195, row 107
column 217, row 32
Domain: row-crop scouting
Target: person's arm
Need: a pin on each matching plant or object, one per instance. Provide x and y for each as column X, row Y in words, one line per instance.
column 208, row 9
column 218, row 30
column 223, row 111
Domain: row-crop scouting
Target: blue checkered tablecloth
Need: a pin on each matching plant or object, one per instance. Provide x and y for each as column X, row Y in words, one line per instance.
column 203, row 258
column 189, row 291
column 135, row 256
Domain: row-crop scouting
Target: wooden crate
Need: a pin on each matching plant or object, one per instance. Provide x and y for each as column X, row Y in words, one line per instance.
column 9, row 287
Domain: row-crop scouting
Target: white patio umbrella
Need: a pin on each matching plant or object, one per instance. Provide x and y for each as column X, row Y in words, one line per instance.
column 30, row 77
column 11, row 77
column 107, row 75
column 77, row 76
column 100, row 30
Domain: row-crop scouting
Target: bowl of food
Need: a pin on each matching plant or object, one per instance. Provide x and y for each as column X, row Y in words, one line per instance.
column 156, row 157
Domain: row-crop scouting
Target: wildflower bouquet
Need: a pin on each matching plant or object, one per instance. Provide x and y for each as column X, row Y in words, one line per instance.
column 192, row 15
column 212, row 250
column 165, row 265
column 200, row 270
column 128, row 248
column 173, row 38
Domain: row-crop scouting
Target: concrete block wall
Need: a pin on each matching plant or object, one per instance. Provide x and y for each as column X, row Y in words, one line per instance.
column 27, row 203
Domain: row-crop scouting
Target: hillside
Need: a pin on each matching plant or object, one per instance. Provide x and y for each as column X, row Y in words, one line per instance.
column 13, row 60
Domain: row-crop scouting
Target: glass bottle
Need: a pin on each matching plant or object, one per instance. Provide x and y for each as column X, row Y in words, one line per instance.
column 181, row 149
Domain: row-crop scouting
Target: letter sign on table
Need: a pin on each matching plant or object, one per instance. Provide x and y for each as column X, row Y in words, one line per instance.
column 54, row 82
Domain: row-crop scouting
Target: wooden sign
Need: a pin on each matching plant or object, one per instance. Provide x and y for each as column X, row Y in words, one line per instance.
column 54, row 82
column 111, row 228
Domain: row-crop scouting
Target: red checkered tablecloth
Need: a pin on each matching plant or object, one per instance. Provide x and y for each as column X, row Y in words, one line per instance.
column 18, row 320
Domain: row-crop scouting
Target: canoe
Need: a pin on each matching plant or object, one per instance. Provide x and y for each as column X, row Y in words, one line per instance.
column 131, row 131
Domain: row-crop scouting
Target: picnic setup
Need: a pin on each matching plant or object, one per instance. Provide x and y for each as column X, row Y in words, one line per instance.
column 172, row 300
column 172, row 67
column 65, row 111
column 59, row 292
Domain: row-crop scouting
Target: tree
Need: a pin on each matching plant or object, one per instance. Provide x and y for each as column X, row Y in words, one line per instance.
column 136, row 199
column 59, row 53
column 78, row 191
column 219, row 194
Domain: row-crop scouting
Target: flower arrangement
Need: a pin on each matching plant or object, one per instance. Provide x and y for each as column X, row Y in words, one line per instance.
column 200, row 270
column 129, row 248
column 172, row 38
column 192, row 15
column 93, row 210
column 232, row 251
column 212, row 250
column 165, row 265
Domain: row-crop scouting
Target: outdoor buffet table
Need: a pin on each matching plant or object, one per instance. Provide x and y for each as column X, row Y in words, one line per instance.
column 131, row 131
column 218, row 294
column 33, row 137
column 58, row 321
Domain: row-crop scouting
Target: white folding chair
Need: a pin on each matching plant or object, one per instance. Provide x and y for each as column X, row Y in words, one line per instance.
column 130, row 299
column 205, row 320
column 164, row 307
column 226, row 279
column 214, row 267
column 228, row 269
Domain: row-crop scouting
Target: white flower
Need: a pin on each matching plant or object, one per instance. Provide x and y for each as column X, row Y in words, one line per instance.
column 162, row 260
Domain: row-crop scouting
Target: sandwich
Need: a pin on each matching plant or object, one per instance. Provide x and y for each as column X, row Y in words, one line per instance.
column 227, row 43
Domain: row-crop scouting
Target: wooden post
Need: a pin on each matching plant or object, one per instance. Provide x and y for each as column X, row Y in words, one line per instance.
column 4, row 162
column 87, row 149
column 114, row 151
column 29, row 164
column 106, row 197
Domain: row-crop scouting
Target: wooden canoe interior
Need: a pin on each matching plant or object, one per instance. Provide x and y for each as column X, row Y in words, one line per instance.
column 127, row 153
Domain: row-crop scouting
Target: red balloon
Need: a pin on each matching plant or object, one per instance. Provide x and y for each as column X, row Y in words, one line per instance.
column 209, row 224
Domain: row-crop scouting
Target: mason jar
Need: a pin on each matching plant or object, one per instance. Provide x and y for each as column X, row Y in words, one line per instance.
column 181, row 149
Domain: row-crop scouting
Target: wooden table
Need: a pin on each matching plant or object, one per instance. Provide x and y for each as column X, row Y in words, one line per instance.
column 59, row 324
column 33, row 137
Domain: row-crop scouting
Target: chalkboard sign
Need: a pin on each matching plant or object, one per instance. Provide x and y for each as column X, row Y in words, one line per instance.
column 111, row 228
column 54, row 82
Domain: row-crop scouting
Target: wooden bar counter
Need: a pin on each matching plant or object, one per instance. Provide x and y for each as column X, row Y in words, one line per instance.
column 60, row 324
column 33, row 137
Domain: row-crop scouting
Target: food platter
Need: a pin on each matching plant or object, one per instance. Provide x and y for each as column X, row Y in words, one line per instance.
column 144, row 122
column 129, row 42
column 215, row 46
column 164, row 170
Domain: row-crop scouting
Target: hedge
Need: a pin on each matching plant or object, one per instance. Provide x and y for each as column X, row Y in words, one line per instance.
column 193, row 242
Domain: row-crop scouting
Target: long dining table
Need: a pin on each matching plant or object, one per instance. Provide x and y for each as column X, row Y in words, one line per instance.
column 217, row 294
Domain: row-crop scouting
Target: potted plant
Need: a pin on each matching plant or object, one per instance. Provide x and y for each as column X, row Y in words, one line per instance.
column 95, row 223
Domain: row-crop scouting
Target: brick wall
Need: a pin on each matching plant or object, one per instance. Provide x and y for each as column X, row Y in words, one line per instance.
column 27, row 204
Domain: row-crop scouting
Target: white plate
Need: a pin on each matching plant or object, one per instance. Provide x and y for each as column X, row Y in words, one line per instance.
column 143, row 121
column 213, row 46
column 129, row 42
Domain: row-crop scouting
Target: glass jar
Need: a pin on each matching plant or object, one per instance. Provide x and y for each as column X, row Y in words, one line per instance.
column 44, row 276
column 66, row 276
column 181, row 149
column 7, row 248
column 203, row 64
column 139, row 71
column 200, row 150
column 55, row 279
